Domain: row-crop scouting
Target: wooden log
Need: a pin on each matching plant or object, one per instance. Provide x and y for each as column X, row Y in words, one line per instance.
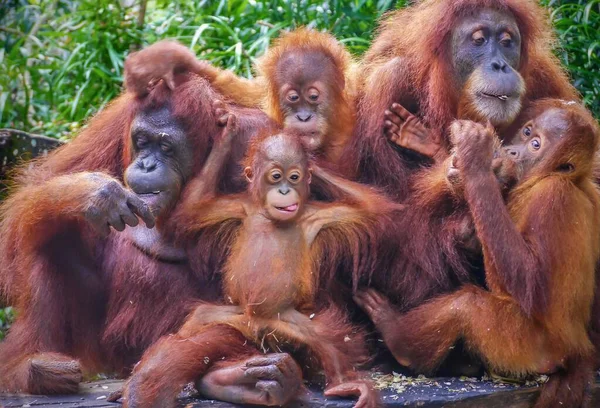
column 17, row 146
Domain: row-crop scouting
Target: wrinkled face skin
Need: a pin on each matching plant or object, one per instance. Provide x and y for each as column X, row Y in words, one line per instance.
column 305, row 95
column 486, row 52
column 537, row 136
column 281, row 178
column 162, row 159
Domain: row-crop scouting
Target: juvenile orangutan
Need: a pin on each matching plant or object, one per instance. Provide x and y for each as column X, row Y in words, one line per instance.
column 305, row 82
column 535, row 316
column 271, row 274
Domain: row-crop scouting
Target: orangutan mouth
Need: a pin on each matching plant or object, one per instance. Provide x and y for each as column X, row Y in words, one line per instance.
column 289, row 208
column 501, row 97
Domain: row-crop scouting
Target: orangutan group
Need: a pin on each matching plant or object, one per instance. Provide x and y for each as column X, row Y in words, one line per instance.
column 252, row 235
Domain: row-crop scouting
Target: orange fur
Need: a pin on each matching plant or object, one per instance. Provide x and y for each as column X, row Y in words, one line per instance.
column 272, row 272
column 167, row 59
column 72, row 293
column 341, row 122
column 410, row 63
column 535, row 316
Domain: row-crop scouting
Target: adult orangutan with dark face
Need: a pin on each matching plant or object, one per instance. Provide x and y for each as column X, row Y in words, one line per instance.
column 91, row 294
column 483, row 60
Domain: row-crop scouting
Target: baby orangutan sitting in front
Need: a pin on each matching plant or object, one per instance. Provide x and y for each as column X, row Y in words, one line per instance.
column 271, row 273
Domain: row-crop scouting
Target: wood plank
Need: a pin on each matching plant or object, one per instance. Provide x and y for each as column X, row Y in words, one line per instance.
column 16, row 146
column 411, row 392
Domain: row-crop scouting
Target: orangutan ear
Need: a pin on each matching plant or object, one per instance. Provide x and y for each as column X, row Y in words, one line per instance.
column 249, row 174
column 310, row 171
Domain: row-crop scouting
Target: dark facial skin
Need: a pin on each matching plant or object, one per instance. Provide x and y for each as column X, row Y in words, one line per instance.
column 304, row 94
column 162, row 162
column 282, row 177
column 486, row 52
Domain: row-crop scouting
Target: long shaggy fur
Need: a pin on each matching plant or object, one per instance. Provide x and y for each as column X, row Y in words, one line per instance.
column 101, row 301
column 536, row 314
column 409, row 62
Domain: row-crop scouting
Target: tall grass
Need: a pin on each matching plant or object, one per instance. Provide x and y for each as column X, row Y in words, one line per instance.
column 62, row 60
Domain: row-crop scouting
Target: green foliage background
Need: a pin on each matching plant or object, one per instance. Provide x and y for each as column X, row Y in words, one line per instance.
column 62, row 60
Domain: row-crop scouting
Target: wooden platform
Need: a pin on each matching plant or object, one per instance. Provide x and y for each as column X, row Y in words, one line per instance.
column 398, row 391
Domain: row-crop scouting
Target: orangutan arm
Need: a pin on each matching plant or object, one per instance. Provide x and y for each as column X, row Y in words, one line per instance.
column 165, row 59
column 407, row 131
column 39, row 211
column 361, row 196
column 361, row 203
column 205, row 184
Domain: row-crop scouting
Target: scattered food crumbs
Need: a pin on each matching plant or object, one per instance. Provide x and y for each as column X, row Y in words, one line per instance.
column 101, row 397
column 416, row 390
column 104, row 387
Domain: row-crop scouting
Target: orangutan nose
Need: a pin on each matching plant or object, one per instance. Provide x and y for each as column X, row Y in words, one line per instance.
column 304, row 116
column 513, row 153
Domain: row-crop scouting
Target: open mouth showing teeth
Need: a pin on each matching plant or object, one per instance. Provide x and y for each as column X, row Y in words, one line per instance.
column 501, row 97
column 289, row 209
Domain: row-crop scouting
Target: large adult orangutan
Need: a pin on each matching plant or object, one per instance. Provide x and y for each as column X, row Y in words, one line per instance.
column 91, row 298
column 305, row 82
column 447, row 59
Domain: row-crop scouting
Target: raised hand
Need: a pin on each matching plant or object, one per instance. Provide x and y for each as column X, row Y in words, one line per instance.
column 230, row 122
column 406, row 130
column 221, row 112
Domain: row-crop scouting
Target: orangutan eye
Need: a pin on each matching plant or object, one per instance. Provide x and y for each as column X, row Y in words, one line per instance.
column 165, row 147
column 527, row 131
column 506, row 40
column 275, row 176
column 535, row 143
column 141, row 142
column 478, row 38
column 295, row 177
column 293, row 96
column 313, row 95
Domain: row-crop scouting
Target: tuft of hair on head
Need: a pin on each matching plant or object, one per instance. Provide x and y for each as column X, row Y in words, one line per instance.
column 304, row 40
column 256, row 145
